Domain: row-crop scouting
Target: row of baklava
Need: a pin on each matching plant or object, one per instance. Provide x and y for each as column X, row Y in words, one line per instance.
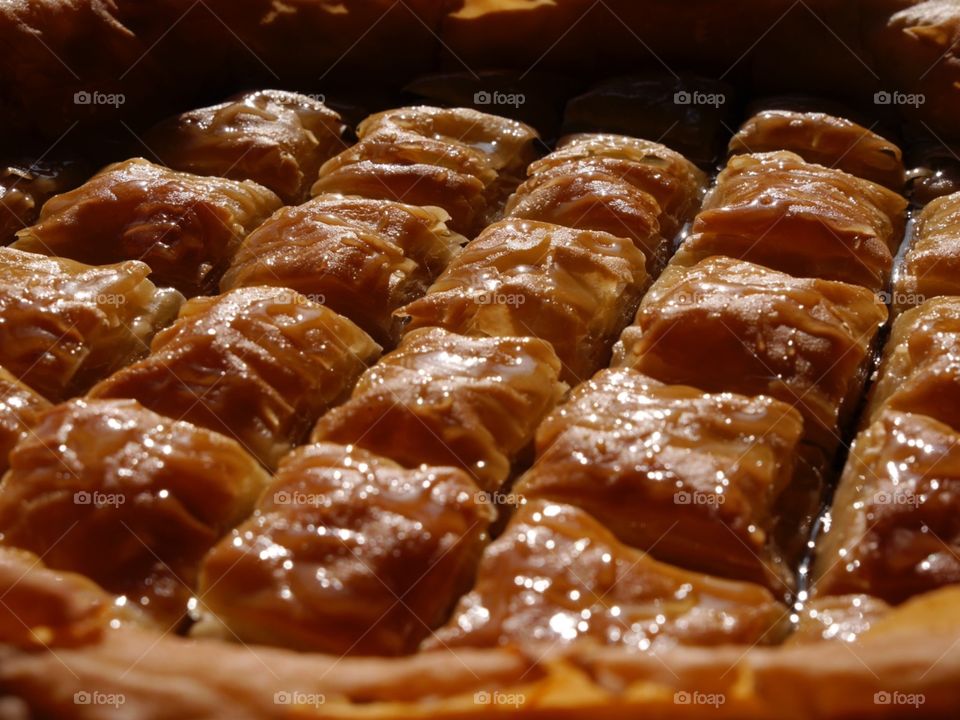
column 157, row 475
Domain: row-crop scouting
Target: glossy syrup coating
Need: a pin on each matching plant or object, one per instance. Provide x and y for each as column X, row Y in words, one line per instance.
column 45, row 608
column 725, row 325
column 692, row 477
column 460, row 194
column 777, row 210
column 25, row 187
column 920, row 369
column 575, row 288
column 674, row 182
column 931, row 265
column 894, row 526
column 185, row 227
column 276, row 138
column 133, row 500
column 596, row 201
column 825, row 140
column 556, row 576
column 259, row 365
column 508, row 145
column 447, row 399
column 64, row 325
column 840, row 618
column 361, row 257
column 347, row 553
column 19, row 406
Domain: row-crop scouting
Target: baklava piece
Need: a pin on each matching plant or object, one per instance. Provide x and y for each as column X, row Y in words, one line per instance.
column 825, row 140
column 920, row 370
column 346, row 553
column 19, row 406
column 461, row 160
column 556, row 575
column 259, row 365
column 25, row 187
column 674, row 182
column 185, row 227
column 64, row 325
column 445, row 399
column 362, row 258
column 777, row 210
column 276, row 138
column 574, row 288
column 725, row 325
column 694, row 478
column 405, row 167
column 508, row 145
column 894, row 529
column 596, row 201
column 931, row 266
column 126, row 497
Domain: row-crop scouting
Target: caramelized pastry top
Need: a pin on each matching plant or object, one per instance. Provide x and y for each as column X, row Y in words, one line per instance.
column 842, row 618
column 64, row 325
column 777, row 210
column 126, row 497
column 276, row 138
column 257, row 364
column 596, row 201
column 348, row 553
column 25, row 187
column 920, row 371
column 508, row 144
column 574, row 288
column 19, row 406
column 895, row 522
column 185, row 227
column 931, row 265
column 674, row 182
column 556, row 575
column 361, row 257
column 447, row 399
column 823, row 139
column 725, row 325
column 689, row 476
